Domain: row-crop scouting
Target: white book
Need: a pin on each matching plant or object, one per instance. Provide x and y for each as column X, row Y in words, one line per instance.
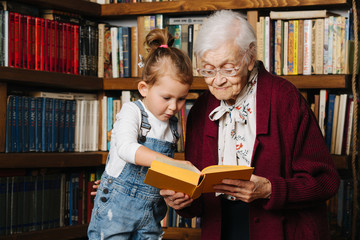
column 83, row 96
column 330, row 54
column 307, row 47
column 322, row 110
column 186, row 20
column 90, row 126
column 319, row 46
column 267, row 44
column 286, row 46
column 326, row 45
column 125, row 97
column 350, row 127
column 96, row 126
column 341, row 123
column 77, row 126
column 65, row 96
column 114, row 51
column 306, row 14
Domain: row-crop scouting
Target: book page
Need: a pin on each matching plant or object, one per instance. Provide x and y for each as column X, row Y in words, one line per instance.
column 223, row 168
column 179, row 165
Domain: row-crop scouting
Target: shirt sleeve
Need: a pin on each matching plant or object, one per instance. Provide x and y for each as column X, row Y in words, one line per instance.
column 125, row 132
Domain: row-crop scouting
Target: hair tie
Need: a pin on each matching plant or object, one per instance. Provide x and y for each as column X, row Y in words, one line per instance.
column 163, row 46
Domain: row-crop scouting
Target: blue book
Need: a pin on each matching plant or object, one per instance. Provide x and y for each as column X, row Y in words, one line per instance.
column 72, row 126
column 67, row 124
column 18, row 124
column 8, row 123
column 40, row 107
column 330, row 119
column 47, row 125
column 25, row 124
column 61, row 129
column 55, row 126
column 32, row 123
column 126, row 47
column 121, row 52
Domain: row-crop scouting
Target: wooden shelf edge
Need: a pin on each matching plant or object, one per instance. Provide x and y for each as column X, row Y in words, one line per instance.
column 187, row 6
column 50, row 79
column 49, row 160
column 86, row 8
column 182, row 233
column 62, row 233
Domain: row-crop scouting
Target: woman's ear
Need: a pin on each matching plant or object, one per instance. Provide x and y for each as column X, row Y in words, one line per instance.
column 253, row 57
column 143, row 88
column 251, row 64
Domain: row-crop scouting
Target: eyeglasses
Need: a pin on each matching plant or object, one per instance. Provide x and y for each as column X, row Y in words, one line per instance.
column 227, row 72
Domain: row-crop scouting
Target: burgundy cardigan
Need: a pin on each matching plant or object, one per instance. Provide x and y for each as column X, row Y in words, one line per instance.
column 289, row 150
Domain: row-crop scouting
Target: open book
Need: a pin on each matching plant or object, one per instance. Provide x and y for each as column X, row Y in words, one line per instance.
column 181, row 177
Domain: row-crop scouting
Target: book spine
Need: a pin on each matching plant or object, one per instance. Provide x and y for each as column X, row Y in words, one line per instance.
column 6, row 38
column 291, row 48
column 32, row 123
column 331, row 37
column 8, row 146
column 76, row 49
column 286, row 48
column 319, row 46
column 277, row 47
column 72, row 126
column 114, row 52
column 120, row 54
column 126, row 34
column 17, row 40
column 101, row 31
column 307, row 47
column 25, row 124
column 326, row 45
column 11, row 42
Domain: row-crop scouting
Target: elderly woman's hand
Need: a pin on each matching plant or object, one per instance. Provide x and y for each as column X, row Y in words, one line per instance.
column 176, row 200
column 246, row 191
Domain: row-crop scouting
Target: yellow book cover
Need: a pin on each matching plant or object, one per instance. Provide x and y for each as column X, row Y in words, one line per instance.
column 296, row 46
column 291, row 48
column 181, row 177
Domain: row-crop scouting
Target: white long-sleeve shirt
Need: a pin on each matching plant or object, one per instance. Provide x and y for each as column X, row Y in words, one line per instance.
column 125, row 132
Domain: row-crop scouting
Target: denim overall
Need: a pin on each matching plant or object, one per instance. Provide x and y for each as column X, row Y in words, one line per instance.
column 125, row 207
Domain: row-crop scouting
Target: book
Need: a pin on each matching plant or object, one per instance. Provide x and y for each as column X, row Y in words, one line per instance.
column 307, row 47
column 334, row 126
column 340, row 123
column 322, row 109
column 329, row 120
column 319, row 46
column 181, row 177
column 300, row 14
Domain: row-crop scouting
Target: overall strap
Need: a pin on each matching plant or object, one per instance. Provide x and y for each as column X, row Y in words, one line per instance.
column 173, row 126
column 145, row 126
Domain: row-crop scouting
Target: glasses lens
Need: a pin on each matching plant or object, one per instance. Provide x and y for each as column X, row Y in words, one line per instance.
column 229, row 72
column 207, row 72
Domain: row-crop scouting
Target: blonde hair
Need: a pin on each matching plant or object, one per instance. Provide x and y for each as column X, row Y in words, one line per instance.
column 160, row 43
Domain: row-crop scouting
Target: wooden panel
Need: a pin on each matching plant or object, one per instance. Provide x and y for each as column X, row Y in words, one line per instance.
column 85, row 8
column 38, row 160
column 63, row 233
column 318, row 81
column 182, row 233
column 50, row 79
column 340, row 161
column 3, row 100
column 187, row 6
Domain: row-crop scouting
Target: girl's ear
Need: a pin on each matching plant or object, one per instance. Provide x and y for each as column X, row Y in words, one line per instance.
column 143, row 88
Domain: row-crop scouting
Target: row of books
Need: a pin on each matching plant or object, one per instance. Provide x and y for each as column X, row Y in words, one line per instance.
column 43, row 201
column 340, row 209
column 54, row 42
column 172, row 219
column 126, row 1
column 62, row 122
column 334, row 113
column 120, row 47
column 305, row 42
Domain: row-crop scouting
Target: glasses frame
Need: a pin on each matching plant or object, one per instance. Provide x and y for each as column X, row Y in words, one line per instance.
column 218, row 70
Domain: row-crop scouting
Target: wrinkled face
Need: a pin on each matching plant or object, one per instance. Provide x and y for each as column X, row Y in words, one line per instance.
column 165, row 98
column 223, row 87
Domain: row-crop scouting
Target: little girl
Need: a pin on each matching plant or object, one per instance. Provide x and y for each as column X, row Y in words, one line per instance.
column 125, row 207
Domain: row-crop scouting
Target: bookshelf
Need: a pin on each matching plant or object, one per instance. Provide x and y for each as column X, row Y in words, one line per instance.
column 23, row 77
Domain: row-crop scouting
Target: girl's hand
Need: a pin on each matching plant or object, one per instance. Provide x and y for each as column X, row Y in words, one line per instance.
column 176, row 200
column 95, row 187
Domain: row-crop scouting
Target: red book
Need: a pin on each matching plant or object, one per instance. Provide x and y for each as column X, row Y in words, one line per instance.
column 68, row 55
column 53, row 46
column 90, row 201
column 71, row 53
column 37, row 43
column 42, row 45
column 17, row 40
column 30, row 35
column 47, row 43
column 23, row 37
column 76, row 49
column 61, row 47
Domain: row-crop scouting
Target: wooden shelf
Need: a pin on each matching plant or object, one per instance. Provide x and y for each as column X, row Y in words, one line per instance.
column 85, row 8
column 188, row 6
column 49, row 160
column 49, row 79
column 300, row 81
column 63, row 233
column 182, row 233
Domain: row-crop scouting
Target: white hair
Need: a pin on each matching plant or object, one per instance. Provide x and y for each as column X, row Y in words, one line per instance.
column 223, row 27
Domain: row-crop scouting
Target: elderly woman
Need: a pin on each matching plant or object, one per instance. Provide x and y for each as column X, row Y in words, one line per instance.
column 251, row 117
